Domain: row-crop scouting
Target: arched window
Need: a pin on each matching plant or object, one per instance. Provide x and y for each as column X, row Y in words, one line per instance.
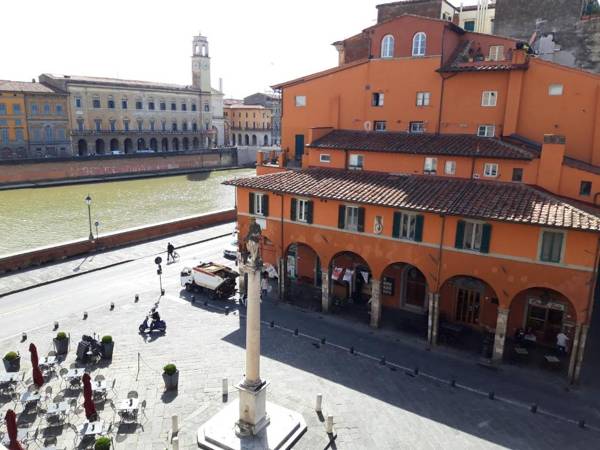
column 387, row 46
column 419, row 44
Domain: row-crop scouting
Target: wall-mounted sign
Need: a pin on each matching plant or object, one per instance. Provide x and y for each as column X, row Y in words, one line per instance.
column 546, row 304
column 378, row 225
column 387, row 286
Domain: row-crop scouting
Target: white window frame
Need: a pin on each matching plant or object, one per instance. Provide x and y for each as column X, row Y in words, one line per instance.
column 473, row 235
column 301, row 210
column 488, row 130
column 258, row 204
column 489, row 99
column 556, row 89
column 562, row 246
column 358, row 158
column 419, row 44
column 413, row 128
column 379, row 100
column 408, row 226
column 490, row 170
column 325, row 158
column 496, row 53
column 387, row 46
column 450, row 168
column 377, row 125
column 300, row 101
column 351, row 218
column 430, row 165
column 423, row 98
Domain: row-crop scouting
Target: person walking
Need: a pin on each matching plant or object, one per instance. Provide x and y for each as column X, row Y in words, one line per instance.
column 264, row 285
column 562, row 341
column 170, row 252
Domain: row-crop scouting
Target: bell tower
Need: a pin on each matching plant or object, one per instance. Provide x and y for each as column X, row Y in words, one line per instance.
column 200, row 63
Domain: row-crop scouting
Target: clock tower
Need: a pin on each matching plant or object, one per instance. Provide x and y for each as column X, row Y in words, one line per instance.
column 200, row 63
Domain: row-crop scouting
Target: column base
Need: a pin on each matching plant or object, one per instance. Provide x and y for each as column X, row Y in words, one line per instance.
column 253, row 415
column 283, row 431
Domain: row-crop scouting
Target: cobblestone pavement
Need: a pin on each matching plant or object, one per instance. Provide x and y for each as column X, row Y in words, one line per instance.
column 77, row 266
column 374, row 406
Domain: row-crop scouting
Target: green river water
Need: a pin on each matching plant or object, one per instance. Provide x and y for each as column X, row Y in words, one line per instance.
column 38, row 217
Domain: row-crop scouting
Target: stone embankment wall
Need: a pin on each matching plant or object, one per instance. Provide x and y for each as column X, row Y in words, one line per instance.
column 70, row 249
column 81, row 168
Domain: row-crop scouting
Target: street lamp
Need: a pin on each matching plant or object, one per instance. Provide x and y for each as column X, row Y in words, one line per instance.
column 97, row 224
column 88, row 202
column 158, row 261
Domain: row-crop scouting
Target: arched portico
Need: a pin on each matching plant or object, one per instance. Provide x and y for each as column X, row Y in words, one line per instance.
column 99, row 147
column 303, row 276
column 154, row 144
column 114, row 144
column 82, row 147
column 164, row 146
column 128, row 145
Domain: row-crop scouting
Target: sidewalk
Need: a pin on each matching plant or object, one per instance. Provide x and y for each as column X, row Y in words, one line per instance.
column 520, row 387
column 35, row 276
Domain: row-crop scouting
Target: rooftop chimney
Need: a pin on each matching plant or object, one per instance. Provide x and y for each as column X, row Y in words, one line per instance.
column 220, row 84
column 33, row 80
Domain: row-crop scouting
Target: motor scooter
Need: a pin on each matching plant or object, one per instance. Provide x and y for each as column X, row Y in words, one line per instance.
column 153, row 323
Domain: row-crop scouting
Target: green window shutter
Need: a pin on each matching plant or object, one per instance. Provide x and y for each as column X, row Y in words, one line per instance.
column 265, row 205
column 419, row 227
column 293, row 209
column 361, row 219
column 341, row 216
column 309, row 212
column 396, row 225
column 251, row 202
column 460, row 234
column 486, row 235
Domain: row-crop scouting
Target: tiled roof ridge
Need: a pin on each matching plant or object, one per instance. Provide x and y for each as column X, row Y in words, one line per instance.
column 461, row 197
column 527, row 154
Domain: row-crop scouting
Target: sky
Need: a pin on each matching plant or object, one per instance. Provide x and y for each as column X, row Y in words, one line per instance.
column 252, row 44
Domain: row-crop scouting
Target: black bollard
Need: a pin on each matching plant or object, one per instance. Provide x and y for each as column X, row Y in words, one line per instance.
column 272, row 324
column 491, row 395
column 85, row 315
column 533, row 408
column 205, row 302
column 296, row 332
column 112, row 306
column 382, row 361
column 227, row 310
column 453, row 382
column 416, row 371
column 581, row 424
column 352, row 350
column 55, row 326
column 323, row 341
column 193, row 299
column 136, row 298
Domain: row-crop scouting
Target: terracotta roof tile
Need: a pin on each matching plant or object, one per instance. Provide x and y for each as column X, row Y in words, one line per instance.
column 422, row 143
column 492, row 200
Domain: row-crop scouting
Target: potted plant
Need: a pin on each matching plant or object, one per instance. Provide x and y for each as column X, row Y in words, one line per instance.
column 102, row 443
column 171, row 376
column 61, row 343
column 12, row 362
column 107, row 347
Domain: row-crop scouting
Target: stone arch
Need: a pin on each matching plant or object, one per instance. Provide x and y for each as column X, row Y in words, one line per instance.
column 303, row 276
column 175, row 144
column 128, row 145
column 246, row 140
column 233, row 139
column 195, row 143
column 153, row 144
column 82, row 147
column 114, row 144
column 254, row 141
column 185, row 143
column 349, row 283
column 239, row 142
column 266, row 140
column 141, row 144
column 164, row 145
column 100, row 147
column 546, row 311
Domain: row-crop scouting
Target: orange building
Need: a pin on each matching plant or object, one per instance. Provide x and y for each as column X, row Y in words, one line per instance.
column 247, row 125
column 446, row 186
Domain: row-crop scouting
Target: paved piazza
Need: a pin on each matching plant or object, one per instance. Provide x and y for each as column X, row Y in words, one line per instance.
column 375, row 406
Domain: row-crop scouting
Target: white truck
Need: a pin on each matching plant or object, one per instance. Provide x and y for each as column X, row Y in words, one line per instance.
column 216, row 279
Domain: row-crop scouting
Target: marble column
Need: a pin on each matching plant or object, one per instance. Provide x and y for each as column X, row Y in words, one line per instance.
column 433, row 318
column 252, row 377
column 325, row 300
column 375, row 303
column 500, row 336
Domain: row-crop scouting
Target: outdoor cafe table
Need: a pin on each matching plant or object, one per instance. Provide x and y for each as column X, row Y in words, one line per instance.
column 129, row 405
column 48, row 361
column 30, row 397
column 91, row 428
column 8, row 379
column 57, row 408
column 99, row 388
column 74, row 374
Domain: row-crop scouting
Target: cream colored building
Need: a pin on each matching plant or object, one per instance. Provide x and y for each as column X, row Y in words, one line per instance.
column 248, row 125
column 111, row 115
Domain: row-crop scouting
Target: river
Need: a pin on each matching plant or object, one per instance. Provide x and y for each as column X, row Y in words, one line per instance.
column 38, row 217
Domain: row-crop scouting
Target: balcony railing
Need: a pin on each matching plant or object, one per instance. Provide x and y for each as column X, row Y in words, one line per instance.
column 251, row 129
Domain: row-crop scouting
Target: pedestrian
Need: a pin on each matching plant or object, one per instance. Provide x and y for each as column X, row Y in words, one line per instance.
column 170, row 251
column 264, row 285
column 562, row 341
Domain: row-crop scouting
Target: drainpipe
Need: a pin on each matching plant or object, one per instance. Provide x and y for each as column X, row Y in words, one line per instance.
column 473, row 166
column 440, row 252
column 282, row 263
